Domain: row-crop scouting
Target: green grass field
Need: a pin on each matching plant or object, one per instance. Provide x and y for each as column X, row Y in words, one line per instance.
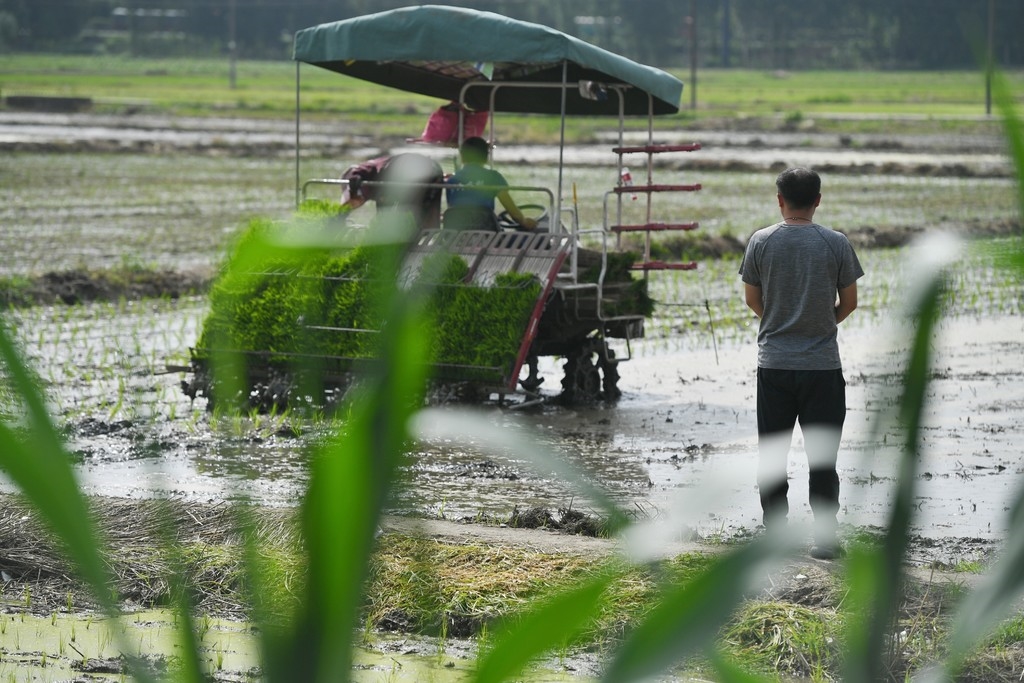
column 201, row 87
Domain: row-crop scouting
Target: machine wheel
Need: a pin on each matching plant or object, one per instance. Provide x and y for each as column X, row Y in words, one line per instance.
column 610, row 371
column 591, row 374
column 533, row 380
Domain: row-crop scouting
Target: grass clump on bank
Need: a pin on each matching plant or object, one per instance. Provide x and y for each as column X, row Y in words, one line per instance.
column 786, row 638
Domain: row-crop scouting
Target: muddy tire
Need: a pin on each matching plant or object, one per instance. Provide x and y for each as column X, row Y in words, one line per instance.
column 591, row 374
column 609, row 367
column 533, row 380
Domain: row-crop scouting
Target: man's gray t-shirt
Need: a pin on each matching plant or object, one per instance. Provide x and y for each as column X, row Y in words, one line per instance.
column 800, row 269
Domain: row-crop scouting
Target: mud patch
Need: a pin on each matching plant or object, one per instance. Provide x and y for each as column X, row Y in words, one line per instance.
column 43, row 103
column 91, row 427
column 117, row 665
column 484, row 469
column 83, row 286
column 705, row 246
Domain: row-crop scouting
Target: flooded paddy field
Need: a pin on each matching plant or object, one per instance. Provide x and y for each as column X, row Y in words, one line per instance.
column 96, row 193
column 105, row 191
column 680, row 446
column 678, row 449
column 181, row 213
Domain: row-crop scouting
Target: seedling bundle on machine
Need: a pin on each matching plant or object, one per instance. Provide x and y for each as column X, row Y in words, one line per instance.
column 501, row 299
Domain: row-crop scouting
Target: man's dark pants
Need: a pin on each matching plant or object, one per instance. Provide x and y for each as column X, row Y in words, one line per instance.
column 817, row 398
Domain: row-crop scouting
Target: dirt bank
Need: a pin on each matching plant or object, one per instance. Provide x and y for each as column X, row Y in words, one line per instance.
column 83, row 286
column 148, row 540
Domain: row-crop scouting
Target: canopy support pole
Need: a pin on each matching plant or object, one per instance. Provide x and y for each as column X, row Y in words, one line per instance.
column 298, row 182
column 561, row 145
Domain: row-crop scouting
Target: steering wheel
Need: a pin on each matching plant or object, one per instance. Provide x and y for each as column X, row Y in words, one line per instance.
column 537, row 212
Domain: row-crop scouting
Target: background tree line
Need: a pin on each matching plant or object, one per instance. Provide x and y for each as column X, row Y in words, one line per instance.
column 760, row 34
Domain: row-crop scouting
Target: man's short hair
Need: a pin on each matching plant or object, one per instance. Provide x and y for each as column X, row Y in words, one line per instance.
column 800, row 187
column 475, row 149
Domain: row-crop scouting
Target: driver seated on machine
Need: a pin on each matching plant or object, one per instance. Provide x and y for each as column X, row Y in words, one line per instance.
column 472, row 190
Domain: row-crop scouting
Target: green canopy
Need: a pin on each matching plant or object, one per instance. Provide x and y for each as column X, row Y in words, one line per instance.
column 435, row 50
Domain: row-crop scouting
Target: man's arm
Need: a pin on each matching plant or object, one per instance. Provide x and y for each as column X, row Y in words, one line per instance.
column 506, row 200
column 755, row 301
column 847, row 302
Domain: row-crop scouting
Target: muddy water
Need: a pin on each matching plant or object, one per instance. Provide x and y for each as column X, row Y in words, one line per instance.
column 63, row 647
column 680, row 446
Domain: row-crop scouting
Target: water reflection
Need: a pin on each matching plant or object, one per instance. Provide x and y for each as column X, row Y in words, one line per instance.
column 680, row 444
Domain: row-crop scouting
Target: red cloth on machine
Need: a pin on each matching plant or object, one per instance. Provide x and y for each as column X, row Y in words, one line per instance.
column 443, row 125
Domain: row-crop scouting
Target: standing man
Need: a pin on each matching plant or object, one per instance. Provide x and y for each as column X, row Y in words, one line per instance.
column 800, row 279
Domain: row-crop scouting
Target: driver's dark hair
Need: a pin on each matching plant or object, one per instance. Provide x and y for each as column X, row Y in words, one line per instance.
column 475, row 149
column 800, row 187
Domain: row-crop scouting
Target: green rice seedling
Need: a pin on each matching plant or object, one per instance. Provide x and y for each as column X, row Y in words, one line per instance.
column 332, row 292
column 205, row 623
column 103, row 636
column 969, row 567
column 119, row 403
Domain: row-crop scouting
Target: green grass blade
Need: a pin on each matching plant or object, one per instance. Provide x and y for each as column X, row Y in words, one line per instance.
column 1004, row 585
column 728, row 672
column 866, row 572
column 996, row 597
column 1014, row 130
column 350, row 474
column 35, row 460
column 38, row 464
column 350, row 481
column 272, row 629
column 883, row 576
column 545, row 626
column 190, row 668
column 688, row 618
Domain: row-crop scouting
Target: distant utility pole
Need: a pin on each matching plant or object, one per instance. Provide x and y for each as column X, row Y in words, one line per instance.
column 692, row 22
column 725, row 33
column 232, row 43
column 989, row 57
column 133, row 32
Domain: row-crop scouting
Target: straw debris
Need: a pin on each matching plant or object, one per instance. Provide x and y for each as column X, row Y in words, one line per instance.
column 445, row 587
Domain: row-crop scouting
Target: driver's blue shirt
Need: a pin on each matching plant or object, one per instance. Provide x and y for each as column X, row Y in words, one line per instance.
column 479, row 177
